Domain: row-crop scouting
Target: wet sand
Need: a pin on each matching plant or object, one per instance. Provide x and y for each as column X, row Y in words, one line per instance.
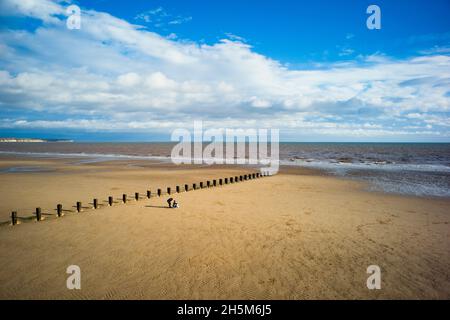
column 296, row 235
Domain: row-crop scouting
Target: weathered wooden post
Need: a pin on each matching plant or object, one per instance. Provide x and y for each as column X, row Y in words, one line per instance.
column 168, row 190
column 214, row 182
column 236, row 179
column 231, row 180
column 110, row 201
column 240, row 178
column 208, row 184
column 226, row 180
column 95, row 203
column 194, row 186
column 149, row 194
column 178, row 189
column 186, row 188
column 220, row 182
column 201, row 185
column 38, row 214
column 59, row 210
column 124, row 198
column 159, row 192
column 14, row 218
column 136, row 196
column 78, row 206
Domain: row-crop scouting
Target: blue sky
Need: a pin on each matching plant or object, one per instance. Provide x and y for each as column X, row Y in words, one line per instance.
column 299, row 32
column 137, row 70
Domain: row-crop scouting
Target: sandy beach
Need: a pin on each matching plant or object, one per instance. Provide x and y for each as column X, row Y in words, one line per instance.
column 297, row 235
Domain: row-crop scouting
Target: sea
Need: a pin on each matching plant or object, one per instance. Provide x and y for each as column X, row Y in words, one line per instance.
column 417, row 169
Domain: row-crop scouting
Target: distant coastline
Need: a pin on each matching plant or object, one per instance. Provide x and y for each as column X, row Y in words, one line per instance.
column 32, row 140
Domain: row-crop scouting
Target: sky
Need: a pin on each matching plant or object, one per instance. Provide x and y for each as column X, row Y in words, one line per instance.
column 138, row 70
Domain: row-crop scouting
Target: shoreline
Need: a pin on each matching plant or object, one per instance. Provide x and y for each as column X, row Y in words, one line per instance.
column 54, row 169
column 295, row 235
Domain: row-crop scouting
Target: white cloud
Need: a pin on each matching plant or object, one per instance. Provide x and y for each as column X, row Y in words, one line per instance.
column 129, row 79
column 116, row 75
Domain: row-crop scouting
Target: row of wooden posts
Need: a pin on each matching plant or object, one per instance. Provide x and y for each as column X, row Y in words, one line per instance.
column 213, row 183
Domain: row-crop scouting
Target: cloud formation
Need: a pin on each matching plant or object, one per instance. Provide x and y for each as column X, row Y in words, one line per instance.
column 113, row 75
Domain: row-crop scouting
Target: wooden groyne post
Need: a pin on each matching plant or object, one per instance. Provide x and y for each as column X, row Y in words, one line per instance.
column 149, row 194
column 14, row 218
column 201, row 185
column 168, row 190
column 59, row 210
column 194, row 186
column 110, row 201
column 38, row 214
column 136, row 196
column 95, row 203
column 159, row 192
column 124, row 198
column 177, row 188
column 78, row 206
column 186, row 188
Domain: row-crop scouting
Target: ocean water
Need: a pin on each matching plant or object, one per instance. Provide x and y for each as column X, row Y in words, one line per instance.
column 420, row 169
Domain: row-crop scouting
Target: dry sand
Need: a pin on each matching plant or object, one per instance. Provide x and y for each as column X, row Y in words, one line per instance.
column 296, row 235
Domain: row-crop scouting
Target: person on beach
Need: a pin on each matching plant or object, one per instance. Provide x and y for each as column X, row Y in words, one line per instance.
column 175, row 204
column 169, row 201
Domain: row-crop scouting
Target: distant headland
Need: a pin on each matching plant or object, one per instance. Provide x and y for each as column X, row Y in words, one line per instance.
column 33, row 140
